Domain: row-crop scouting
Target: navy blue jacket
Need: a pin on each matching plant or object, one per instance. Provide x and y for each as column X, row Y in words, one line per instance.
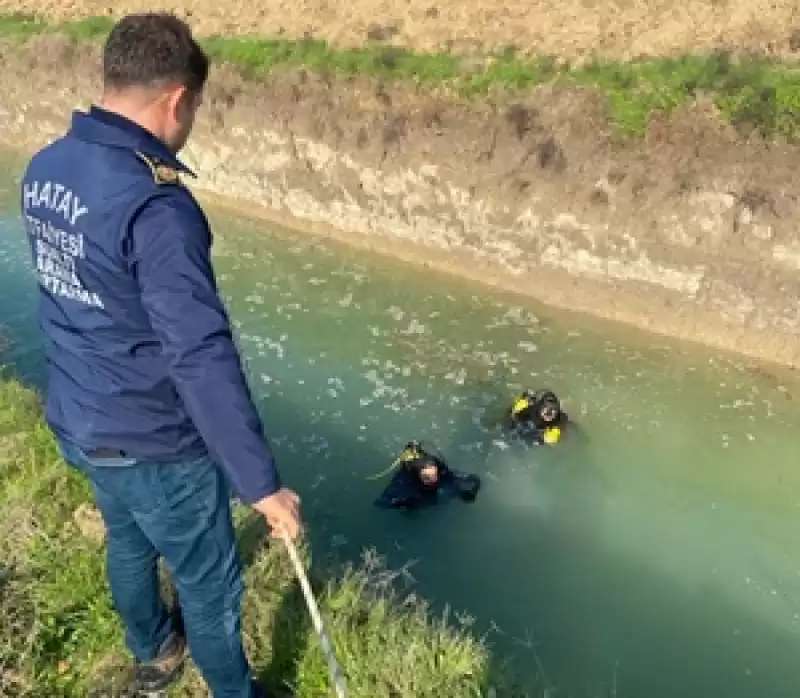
column 138, row 344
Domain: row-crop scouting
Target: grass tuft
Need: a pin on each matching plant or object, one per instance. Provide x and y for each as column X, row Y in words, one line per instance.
column 59, row 635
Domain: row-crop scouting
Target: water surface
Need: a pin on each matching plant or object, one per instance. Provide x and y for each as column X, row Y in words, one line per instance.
column 655, row 557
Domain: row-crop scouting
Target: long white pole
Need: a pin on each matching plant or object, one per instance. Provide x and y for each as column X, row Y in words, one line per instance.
column 337, row 678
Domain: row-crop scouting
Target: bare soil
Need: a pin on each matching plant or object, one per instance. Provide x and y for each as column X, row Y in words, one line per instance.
column 568, row 28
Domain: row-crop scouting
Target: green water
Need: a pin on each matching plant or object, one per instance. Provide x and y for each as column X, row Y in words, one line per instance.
column 658, row 557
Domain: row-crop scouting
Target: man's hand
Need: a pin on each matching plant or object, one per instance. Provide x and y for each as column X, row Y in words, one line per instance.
column 282, row 512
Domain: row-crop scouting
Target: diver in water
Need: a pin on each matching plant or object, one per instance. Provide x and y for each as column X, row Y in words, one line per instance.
column 422, row 479
column 537, row 417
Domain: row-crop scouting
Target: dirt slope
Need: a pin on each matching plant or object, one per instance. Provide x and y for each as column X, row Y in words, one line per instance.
column 568, row 28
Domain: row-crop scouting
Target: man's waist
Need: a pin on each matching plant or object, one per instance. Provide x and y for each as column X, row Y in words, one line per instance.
column 143, row 450
column 106, row 453
column 112, row 453
column 127, row 435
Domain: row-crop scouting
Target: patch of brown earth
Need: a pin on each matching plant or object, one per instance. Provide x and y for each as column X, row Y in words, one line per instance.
column 90, row 522
column 569, row 28
column 691, row 233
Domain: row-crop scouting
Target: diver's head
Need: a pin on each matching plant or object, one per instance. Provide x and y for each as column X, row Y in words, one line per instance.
column 547, row 409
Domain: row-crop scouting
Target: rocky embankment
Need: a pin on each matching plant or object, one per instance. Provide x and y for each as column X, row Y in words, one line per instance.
column 690, row 232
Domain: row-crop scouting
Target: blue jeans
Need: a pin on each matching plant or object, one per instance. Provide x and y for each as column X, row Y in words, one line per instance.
column 180, row 511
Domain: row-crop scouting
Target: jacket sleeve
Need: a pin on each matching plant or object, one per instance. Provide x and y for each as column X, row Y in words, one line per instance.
column 171, row 242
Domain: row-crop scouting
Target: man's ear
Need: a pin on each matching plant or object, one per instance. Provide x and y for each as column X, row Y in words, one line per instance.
column 178, row 101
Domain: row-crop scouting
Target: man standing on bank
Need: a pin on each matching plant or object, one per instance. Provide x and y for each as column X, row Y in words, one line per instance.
column 146, row 392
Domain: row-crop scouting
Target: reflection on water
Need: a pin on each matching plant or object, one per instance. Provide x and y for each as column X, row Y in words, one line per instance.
column 653, row 555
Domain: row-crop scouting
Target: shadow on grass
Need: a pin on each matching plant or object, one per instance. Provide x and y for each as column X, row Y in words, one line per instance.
column 290, row 627
column 291, row 633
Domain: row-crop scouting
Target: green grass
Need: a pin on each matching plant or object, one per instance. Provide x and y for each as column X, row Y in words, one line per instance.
column 60, row 637
column 750, row 93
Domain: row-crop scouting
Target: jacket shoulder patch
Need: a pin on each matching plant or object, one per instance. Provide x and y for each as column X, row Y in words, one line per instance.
column 162, row 173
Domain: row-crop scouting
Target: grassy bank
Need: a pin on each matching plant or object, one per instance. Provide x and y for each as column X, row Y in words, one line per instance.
column 749, row 93
column 60, row 637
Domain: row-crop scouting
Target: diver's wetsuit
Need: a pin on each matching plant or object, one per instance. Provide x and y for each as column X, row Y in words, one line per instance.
column 407, row 490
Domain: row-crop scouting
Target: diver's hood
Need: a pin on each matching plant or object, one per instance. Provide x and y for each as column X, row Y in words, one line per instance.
column 546, row 409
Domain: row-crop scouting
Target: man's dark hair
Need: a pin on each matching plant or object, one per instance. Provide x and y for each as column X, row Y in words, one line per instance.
column 152, row 49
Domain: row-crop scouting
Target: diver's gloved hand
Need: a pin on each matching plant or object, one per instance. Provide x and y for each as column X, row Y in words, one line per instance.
column 282, row 512
column 468, row 486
